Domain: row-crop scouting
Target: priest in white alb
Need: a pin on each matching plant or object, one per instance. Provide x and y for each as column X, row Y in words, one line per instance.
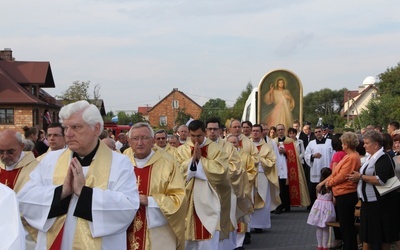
column 85, row 196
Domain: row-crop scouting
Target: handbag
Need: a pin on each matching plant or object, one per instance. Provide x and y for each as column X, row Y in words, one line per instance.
column 390, row 185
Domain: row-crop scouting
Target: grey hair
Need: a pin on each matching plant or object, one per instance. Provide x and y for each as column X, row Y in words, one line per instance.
column 234, row 120
column 18, row 135
column 182, row 126
column 374, row 136
column 90, row 113
column 28, row 145
column 142, row 125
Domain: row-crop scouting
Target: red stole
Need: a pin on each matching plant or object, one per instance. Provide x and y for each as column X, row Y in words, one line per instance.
column 57, row 242
column 9, row 178
column 136, row 233
column 240, row 144
column 201, row 232
column 259, row 147
column 293, row 174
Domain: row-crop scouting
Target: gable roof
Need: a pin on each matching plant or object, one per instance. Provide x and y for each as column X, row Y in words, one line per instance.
column 26, row 73
column 356, row 99
column 13, row 93
column 174, row 90
column 99, row 103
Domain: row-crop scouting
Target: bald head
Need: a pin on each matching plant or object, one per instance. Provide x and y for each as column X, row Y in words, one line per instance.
column 10, row 147
column 110, row 143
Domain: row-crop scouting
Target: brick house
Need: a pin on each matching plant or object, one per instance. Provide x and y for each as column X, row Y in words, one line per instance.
column 22, row 98
column 165, row 112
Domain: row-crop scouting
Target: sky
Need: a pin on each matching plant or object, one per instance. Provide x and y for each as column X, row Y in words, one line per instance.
column 139, row 50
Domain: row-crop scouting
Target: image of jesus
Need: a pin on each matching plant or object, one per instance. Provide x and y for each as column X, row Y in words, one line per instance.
column 283, row 102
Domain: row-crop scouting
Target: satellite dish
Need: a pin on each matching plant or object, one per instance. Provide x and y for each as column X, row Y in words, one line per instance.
column 369, row 80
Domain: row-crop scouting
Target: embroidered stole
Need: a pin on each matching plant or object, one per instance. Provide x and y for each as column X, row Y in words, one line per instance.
column 9, row 178
column 293, row 174
column 97, row 176
column 137, row 231
column 201, row 232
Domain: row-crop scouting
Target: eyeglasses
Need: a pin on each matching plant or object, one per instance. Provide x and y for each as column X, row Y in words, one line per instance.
column 256, row 131
column 54, row 135
column 143, row 138
column 8, row 151
column 212, row 129
column 318, row 131
column 160, row 138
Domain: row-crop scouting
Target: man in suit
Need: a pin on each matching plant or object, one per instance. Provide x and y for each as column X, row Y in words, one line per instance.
column 307, row 135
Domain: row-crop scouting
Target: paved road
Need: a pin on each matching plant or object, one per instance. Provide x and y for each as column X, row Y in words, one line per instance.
column 289, row 231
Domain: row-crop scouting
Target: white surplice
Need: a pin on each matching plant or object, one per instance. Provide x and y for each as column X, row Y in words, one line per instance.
column 12, row 233
column 113, row 209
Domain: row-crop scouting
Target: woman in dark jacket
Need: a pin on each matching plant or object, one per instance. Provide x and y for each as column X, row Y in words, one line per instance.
column 379, row 225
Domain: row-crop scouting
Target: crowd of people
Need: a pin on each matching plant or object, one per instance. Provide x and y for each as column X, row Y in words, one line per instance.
column 80, row 187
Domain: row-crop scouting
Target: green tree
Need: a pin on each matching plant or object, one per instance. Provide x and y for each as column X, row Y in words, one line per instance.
column 236, row 111
column 386, row 106
column 213, row 108
column 80, row 91
column 182, row 117
column 325, row 104
column 109, row 116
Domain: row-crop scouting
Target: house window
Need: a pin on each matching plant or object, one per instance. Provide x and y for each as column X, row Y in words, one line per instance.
column 6, row 116
column 35, row 117
column 163, row 121
column 175, row 104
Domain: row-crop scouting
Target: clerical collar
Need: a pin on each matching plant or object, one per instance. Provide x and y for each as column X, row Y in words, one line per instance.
column 86, row 160
column 281, row 139
column 9, row 168
column 140, row 163
column 322, row 141
column 216, row 141
column 203, row 143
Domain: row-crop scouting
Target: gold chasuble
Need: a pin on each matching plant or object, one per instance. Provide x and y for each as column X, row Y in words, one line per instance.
column 204, row 208
column 247, row 146
column 97, row 176
column 267, row 158
column 299, row 195
column 160, row 179
column 251, row 175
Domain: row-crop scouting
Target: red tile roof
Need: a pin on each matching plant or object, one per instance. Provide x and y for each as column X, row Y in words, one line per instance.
column 14, row 75
column 13, row 93
column 144, row 110
column 29, row 72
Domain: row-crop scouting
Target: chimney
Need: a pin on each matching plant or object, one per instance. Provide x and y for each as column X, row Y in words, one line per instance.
column 6, row 55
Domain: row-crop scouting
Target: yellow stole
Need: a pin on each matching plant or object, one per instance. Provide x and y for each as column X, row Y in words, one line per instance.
column 97, row 176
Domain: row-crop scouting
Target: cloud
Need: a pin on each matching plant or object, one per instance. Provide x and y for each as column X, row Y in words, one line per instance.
column 293, row 43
